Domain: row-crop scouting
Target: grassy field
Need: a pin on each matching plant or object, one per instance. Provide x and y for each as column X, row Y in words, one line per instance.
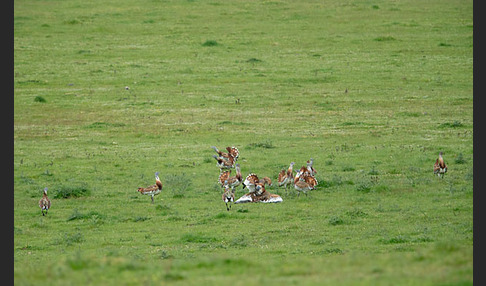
column 106, row 93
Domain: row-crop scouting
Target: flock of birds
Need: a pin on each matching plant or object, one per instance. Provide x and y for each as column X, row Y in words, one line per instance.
column 304, row 180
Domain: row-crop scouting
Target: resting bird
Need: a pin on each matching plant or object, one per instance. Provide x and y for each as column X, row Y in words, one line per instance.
column 250, row 182
column 228, row 195
column 44, row 203
column 266, row 180
column 153, row 189
column 440, row 167
column 259, row 195
column 286, row 177
column 234, row 181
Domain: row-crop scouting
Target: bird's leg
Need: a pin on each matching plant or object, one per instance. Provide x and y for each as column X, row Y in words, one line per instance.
column 152, row 197
column 227, row 207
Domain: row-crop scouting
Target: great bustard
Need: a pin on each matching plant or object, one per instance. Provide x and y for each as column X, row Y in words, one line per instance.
column 152, row 190
column 440, row 167
column 44, row 203
column 286, row 177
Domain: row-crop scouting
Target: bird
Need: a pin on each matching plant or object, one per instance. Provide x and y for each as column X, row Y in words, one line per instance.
column 440, row 167
column 234, row 181
column 310, row 167
column 228, row 195
column 259, row 195
column 153, row 189
column 232, row 154
column 250, row 182
column 306, row 177
column 266, row 180
column 301, row 185
column 44, row 203
column 223, row 163
column 286, row 177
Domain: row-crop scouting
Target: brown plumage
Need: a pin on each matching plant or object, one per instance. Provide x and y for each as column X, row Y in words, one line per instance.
column 152, row 190
column 250, row 182
column 232, row 152
column 304, row 182
column 310, row 167
column 44, row 203
column 224, row 163
column 228, row 196
column 286, row 177
column 440, row 167
column 259, row 195
column 231, row 181
column 266, row 180
column 302, row 186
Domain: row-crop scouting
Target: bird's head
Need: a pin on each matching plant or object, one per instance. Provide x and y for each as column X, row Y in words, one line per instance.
column 45, row 190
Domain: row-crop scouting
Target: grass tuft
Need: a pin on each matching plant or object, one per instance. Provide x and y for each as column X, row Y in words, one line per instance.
column 40, row 99
column 210, row 43
column 65, row 192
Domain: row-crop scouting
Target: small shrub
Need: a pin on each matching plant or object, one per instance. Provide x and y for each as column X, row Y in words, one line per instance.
column 70, row 239
column 40, row 99
column 454, row 124
column 210, row 43
column 197, row 238
column 384, row 38
column 335, row 220
column 396, row 239
column 140, row 218
column 460, row 159
column 71, row 192
column 364, row 188
column 264, row 145
column 333, row 250
column 373, row 172
column 253, row 60
column 164, row 255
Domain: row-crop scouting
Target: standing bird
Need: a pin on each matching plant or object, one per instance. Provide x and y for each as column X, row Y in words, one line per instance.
column 224, row 163
column 228, row 195
column 44, row 203
column 153, row 189
column 233, row 153
column 301, row 185
column 310, row 168
column 234, row 181
column 286, row 177
column 440, row 167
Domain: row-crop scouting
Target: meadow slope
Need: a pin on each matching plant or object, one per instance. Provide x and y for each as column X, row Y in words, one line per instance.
column 106, row 93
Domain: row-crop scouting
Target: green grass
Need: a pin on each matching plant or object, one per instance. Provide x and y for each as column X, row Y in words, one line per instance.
column 106, row 93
